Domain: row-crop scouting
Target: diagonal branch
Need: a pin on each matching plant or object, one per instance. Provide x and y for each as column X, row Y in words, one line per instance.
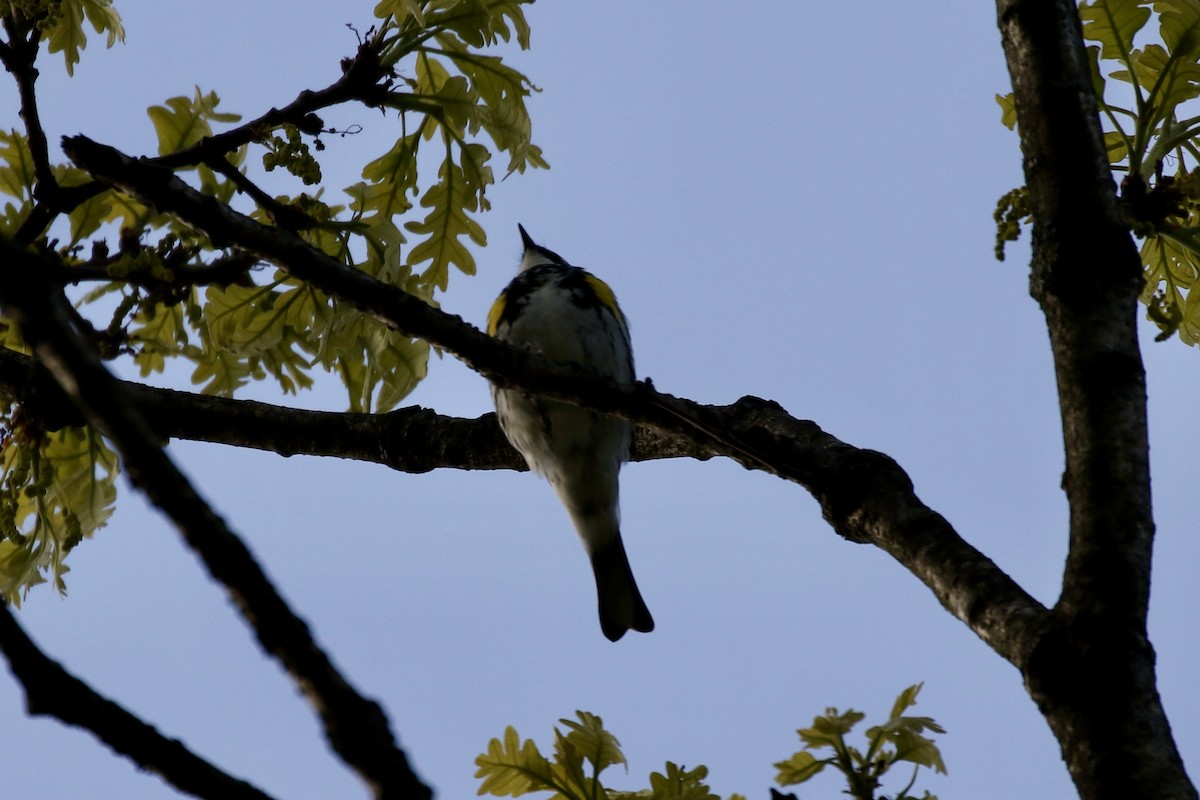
column 356, row 727
column 864, row 494
column 51, row 690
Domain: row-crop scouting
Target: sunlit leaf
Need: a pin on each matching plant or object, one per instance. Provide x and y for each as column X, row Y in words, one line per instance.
column 402, row 10
column 437, row 87
column 184, row 121
column 677, row 783
column 66, row 34
column 596, row 744
column 55, row 490
column 799, row 768
column 511, row 769
column 449, row 202
column 828, row 729
column 17, row 176
column 1113, row 23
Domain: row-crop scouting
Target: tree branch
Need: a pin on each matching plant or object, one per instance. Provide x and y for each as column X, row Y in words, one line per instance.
column 19, row 56
column 356, row 727
column 222, row 271
column 1092, row 674
column 864, row 495
column 24, row 39
column 52, row 691
column 364, row 78
column 412, row 439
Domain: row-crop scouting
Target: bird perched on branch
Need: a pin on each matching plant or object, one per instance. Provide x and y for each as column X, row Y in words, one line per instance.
column 567, row 314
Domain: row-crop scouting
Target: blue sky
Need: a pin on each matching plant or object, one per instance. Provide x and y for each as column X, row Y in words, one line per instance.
column 791, row 200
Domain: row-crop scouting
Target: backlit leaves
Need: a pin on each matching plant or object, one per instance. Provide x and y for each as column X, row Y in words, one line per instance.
column 17, row 179
column 677, row 783
column 16, row 166
column 184, row 121
column 463, row 94
column 1113, row 23
column 55, row 489
column 799, row 768
column 449, row 202
column 511, row 768
column 410, row 221
column 64, row 27
column 900, row 739
column 1147, row 94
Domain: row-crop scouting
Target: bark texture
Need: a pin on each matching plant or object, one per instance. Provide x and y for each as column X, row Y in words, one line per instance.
column 1092, row 669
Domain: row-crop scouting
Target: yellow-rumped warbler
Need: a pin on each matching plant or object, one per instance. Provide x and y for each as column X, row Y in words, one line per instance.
column 568, row 314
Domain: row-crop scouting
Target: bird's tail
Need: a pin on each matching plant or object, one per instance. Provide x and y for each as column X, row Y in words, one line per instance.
column 621, row 604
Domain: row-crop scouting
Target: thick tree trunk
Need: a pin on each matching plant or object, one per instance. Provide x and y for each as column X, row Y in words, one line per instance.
column 1092, row 670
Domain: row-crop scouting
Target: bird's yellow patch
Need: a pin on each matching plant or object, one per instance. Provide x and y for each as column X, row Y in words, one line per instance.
column 606, row 297
column 493, row 317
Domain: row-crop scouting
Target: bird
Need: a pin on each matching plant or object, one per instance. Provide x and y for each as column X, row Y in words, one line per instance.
column 567, row 314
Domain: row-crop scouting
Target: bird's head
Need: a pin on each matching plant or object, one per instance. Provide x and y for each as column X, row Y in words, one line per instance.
column 535, row 255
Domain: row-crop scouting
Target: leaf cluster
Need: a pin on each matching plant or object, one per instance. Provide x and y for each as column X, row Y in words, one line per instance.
column 900, row 739
column 511, row 768
column 61, row 23
column 52, row 494
column 1147, row 80
column 158, row 292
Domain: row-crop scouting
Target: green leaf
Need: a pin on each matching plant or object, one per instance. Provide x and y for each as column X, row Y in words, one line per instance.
column 1113, row 23
column 222, row 373
column 184, row 121
column 1189, row 326
column 479, row 23
column 1172, row 262
column 905, row 734
column 380, row 367
column 1008, row 110
column 500, row 91
column 245, row 319
column 1179, row 26
column 402, row 11
column 569, row 769
column 678, row 783
column 55, row 490
column 905, row 700
column 1172, row 79
column 392, row 180
column 449, row 200
column 828, row 729
column 596, row 744
column 459, row 104
column 511, row 769
column 131, row 215
column 271, row 331
column 156, row 332
column 17, row 175
column 87, row 217
column 65, row 32
column 799, row 768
